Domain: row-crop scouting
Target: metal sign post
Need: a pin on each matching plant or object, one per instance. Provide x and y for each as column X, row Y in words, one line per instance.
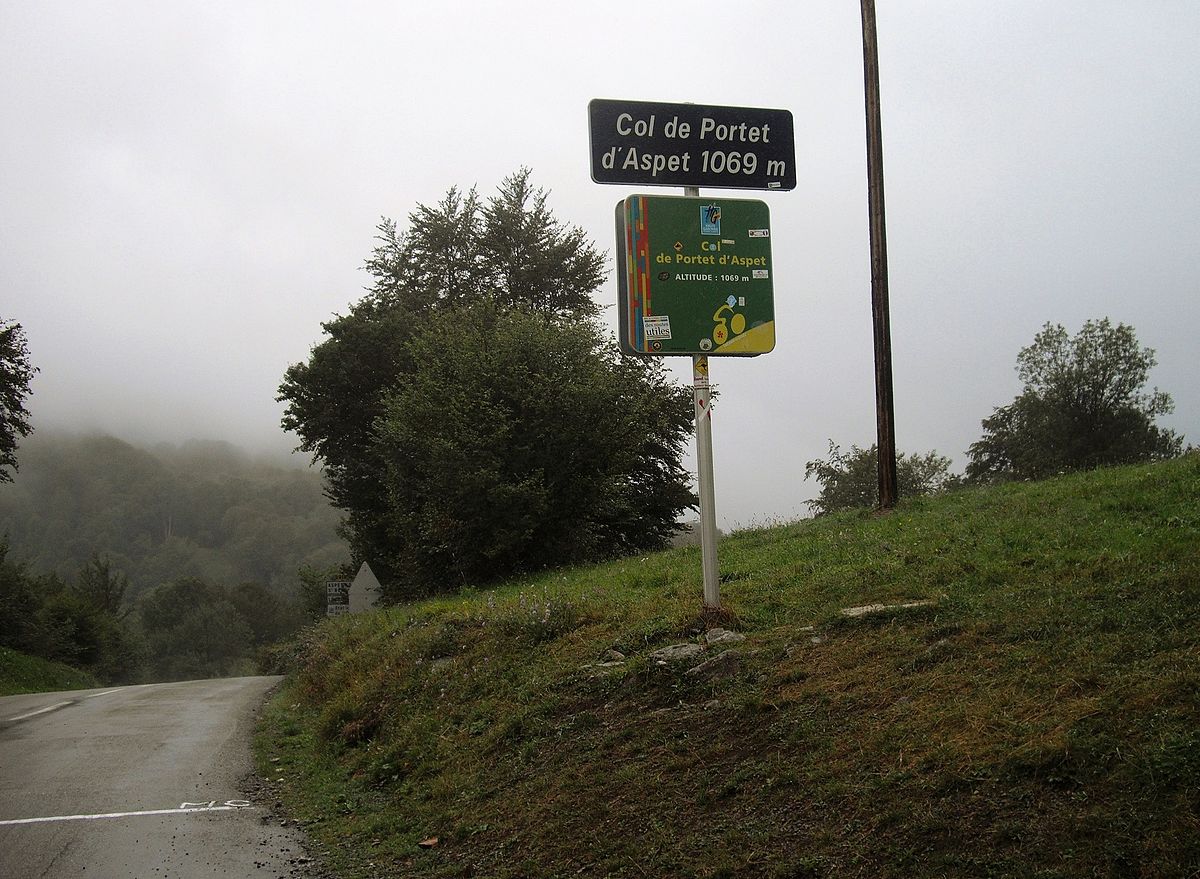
column 702, row 397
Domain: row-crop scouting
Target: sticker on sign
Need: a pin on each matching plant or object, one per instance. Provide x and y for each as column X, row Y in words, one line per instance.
column 657, row 326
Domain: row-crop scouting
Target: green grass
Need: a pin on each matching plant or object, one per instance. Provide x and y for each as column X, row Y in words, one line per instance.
column 1042, row 719
column 21, row 673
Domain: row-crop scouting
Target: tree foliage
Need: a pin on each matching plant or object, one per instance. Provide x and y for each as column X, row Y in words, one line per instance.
column 102, row 585
column 18, row 601
column 203, row 510
column 461, row 408
column 519, row 442
column 193, row 630
column 1083, row 406
column 103, row 524
column 15, row 375
column 851, row 479
column 78, row 624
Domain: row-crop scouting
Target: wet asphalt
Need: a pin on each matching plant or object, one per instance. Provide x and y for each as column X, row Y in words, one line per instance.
column 150, row 781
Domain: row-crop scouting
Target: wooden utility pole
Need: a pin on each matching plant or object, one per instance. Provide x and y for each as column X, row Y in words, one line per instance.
column 881, row 318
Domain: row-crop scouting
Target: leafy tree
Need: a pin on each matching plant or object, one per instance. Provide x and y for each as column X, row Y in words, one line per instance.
column 510, row 249
column 1083, row 406
column 71, row 629
column 530, row 259
column 313, row 595
column 104, row 642
column 43, row 616
column 270, row 616
column 461, row 267
column 851, row 479
column 439, row 260
column 102, row 586
column 192, row 629
column 15, row 375
column 19, row 601
column 461, row 251
column 522, row 441
column 334, row 399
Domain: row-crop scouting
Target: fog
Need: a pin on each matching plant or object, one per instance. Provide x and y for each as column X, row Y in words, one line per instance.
column 190, row 189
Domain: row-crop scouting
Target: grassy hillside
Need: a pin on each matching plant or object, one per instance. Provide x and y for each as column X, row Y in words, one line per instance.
column 20, row 673
column 1040, row 718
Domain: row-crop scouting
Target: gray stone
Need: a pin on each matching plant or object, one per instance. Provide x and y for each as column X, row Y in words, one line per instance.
column 866, row 609
column 723, row 636
column 598, row 669
column 723, row 665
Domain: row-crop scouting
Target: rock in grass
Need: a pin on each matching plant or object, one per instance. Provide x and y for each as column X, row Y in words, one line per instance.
column 723, row 636
column 723, row 665
column 885, row 608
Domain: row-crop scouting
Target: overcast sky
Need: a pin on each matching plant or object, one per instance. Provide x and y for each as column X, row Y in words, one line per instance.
column 188, row 189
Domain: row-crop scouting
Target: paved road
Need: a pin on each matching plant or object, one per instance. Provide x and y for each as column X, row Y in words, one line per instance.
column 143, row 781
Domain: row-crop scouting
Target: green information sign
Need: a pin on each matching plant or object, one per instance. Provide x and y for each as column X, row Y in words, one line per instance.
column 695, row 276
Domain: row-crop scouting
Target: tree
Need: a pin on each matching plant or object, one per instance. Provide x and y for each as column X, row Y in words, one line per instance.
column 192, row 629
column 15, row 375
column 468, row 261
column 511, row 250
column 851, row 479
column 522, row 441
column 102, row 586
column 531, row 260
column 312, row 594
column 458, row 252
column 77, row 632
column 270, row 616
column 1083, row 406
column 19, row 601
column 42, row 616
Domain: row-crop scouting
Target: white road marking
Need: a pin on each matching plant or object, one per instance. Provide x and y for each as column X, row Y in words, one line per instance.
column 58, row 705
column 229, row 806
column 53, row 707
column 105, row 693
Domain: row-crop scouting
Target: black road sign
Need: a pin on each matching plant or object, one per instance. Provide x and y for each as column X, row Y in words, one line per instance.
column 646, row 143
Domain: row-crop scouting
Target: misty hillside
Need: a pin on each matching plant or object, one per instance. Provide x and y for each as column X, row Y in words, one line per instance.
column 203, row 509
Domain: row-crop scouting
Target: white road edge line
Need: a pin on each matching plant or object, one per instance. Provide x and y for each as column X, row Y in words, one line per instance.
column 58, row 705
column 181, row 811
column 53, row 707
